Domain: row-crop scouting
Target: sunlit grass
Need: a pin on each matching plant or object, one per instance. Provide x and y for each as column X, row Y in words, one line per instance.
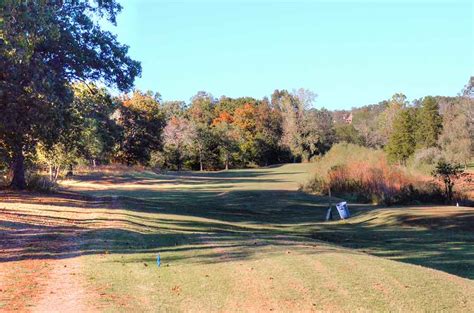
column 247, row 240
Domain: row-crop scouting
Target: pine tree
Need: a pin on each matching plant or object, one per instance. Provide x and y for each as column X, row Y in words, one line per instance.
column 401, row 144
column 430, row 123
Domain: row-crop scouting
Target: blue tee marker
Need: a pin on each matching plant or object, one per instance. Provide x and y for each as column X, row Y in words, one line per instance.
column 158, row 260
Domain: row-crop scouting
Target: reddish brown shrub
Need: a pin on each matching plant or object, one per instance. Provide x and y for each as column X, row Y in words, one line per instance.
column 368, row 177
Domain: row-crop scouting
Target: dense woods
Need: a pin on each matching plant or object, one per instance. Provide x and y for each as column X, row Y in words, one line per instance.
column 212, row 134
column 57, row 111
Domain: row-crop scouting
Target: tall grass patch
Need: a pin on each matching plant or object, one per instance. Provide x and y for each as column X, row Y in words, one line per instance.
column 361, row 174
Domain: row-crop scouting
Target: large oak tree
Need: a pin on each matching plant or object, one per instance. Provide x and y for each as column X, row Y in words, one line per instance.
column 45, row 46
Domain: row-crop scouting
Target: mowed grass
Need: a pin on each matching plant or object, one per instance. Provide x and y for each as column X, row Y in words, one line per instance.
column 248, row 240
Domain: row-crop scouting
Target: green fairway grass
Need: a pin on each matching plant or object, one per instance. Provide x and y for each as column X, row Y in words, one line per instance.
column 248, row 240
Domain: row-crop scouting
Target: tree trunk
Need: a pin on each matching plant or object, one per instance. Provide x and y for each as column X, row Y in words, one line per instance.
column 227, row 162
column 450, row 192
column 201, row 168
column 18, row 181
column 70, row 171
column 57, row 170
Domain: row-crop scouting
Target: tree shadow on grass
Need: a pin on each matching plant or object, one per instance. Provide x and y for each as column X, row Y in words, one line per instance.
column 187, row 178
column 219, row 225
column 248, row 206
column 447, row 248
column 238, row 206
column 54, row 240
column 28, row 236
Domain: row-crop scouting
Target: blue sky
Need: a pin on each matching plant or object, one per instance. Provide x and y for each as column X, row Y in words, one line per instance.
column 350, row 53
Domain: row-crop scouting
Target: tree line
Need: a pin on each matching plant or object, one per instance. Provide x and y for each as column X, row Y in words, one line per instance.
column 56, row 111
column 424, row 131
column 205, row 134
column 139, row 128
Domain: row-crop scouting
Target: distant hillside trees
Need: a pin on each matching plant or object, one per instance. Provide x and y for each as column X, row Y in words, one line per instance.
column 427, row 130
column 366, row 122
column 456, row 139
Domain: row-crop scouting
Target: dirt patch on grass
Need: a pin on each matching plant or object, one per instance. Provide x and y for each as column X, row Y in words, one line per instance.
column 41, row 267
column 65, row 290
column 21, row 283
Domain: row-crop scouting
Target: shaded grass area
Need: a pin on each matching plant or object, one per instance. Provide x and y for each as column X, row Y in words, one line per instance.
column 446, row 245
column 243, row 239
column 439, row 238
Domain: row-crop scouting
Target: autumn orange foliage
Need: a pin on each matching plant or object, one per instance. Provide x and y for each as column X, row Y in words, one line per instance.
column 224, row 117
column 244, row 117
